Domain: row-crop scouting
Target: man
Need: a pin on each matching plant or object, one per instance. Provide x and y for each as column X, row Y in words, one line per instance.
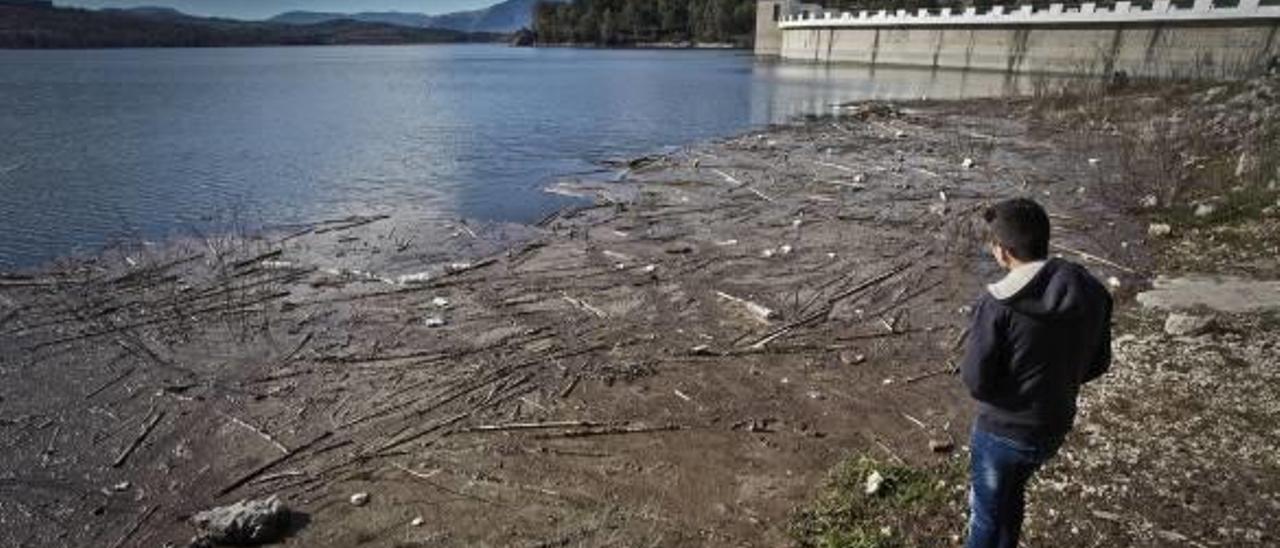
column 1035, row 337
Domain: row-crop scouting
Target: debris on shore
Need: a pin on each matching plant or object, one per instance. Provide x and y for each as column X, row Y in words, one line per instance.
column 642, row 368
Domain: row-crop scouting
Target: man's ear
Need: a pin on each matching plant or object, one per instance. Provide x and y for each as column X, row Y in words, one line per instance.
column 1001, row 254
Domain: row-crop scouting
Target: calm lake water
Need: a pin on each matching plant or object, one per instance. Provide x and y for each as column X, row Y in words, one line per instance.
column 109, row 145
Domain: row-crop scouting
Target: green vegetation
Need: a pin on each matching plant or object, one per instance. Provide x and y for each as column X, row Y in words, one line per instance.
column 913, row 507
column 42, row 26
column 629, row 22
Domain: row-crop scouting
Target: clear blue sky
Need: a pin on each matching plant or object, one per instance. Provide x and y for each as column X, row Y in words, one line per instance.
column 261, row 9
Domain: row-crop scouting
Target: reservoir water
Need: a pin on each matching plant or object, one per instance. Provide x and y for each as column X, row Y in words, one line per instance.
column 98, row 146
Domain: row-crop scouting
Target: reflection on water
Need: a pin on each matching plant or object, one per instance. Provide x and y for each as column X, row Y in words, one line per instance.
column 145, row 143
column 794, row 89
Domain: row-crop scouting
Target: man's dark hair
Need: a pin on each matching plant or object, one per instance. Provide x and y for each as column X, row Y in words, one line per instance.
column 1020, row 226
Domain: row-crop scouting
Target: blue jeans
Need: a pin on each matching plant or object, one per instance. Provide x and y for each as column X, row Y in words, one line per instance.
column 999, row 469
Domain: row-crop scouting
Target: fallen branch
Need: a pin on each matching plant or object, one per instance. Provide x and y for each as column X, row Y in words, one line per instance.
column 137, row 524
column 585, row 306
column 146, row 431
column 271, row 464
column 950, row 369
column 760, row 312
column 530, row 426
column 262, row 434
column 615, row 431
column 1095, row 258
column 568, row 389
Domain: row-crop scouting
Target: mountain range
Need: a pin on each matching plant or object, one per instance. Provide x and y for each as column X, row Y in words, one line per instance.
column 39, row 24
column 504, row 17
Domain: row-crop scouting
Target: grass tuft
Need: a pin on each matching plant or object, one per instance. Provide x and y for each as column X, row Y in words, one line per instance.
column 914, row 507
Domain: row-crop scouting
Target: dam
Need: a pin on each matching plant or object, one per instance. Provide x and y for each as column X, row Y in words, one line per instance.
column 1159, row 39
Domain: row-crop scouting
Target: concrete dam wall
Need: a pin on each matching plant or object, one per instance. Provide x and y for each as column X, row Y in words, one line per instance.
column 1201, row 41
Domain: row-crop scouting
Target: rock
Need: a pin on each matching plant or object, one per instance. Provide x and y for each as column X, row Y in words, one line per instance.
column 1218, row 293
column 1149, row 201
column 1094, row 162
column 938, row 209
column 1157, row 230
column 121, row 487
column 434, row 321
column 245, row 523
column 418, row 521
column 941, row 446
column 360, row 499
column 967, row 163
column 1187, row 325
column 1205, row 209
column 875, row 482
column 852, row 359
column 1113, row 282
column 440, row 302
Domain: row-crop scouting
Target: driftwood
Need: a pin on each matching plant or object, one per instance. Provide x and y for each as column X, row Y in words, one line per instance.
column 758, row 311
column 529, row 426
column 137, row 524
column 614, row 431
column 271, row 464
column 146, row 431
column 1095, row 258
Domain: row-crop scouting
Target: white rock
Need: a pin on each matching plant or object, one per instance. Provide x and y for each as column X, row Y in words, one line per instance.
column 1157, row 230
column 967, row 163
column 767, row 253
column 1094, row 162
column 419, row 278
column 1205, row 210
column 1187, row 325
column 875, row 482
column 417, row 522
column 1149, row 201
column 434, row 321
column 784, row 250
column 938, row 209
column 440, row 302
column 1113, row 282
column 360, row 499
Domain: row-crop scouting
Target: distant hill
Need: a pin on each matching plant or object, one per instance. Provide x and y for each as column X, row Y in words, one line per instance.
column 415, row 20
column 504, row 17
column 42, row 26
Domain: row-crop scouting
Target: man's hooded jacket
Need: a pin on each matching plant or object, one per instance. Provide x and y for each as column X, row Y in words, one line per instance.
column 1035, row 337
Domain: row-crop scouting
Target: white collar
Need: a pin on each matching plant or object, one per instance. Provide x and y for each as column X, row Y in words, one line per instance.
column 1015, row 280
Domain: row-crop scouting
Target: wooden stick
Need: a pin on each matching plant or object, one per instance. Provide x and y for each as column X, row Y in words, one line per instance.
column 146, row 430
column 261, row 433
column 950, row 369
column 1095, row 258
column 585, row 306
column 836, row 166
column 270, row 464
column 619, row 430
column 530, row 426
column 142, row 518
column 733, row 181
column 568, row 389
column 760, row 312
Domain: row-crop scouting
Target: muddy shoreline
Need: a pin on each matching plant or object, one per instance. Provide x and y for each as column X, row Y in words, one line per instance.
column 679, row 364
